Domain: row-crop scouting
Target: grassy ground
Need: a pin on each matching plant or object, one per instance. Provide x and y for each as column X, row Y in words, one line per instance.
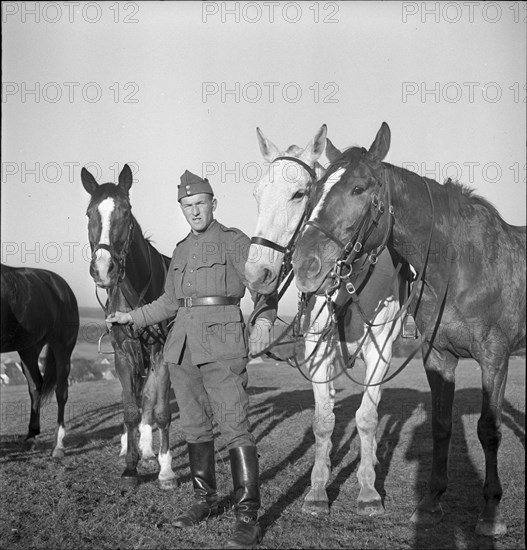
column 76, row 503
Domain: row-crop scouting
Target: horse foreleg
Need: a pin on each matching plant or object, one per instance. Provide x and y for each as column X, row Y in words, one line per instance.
column 167, row 477
column 62, row 364
column 132, row 416
column 124, row 441
column 377, row 353
column 149, row 399
column 440, row 370
column 494, row 378
column 31, row 371
column 316, row 500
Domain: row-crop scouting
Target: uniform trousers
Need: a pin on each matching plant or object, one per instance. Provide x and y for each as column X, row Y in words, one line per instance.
column 213, row 390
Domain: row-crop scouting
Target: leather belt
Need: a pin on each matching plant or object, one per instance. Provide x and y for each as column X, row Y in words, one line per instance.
column 208, row 301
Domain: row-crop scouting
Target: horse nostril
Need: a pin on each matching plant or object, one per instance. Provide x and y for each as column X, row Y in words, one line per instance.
column 266, row 275
column 313, row 267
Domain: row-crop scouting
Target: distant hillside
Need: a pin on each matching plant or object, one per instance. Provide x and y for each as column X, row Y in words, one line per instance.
column 91, row 313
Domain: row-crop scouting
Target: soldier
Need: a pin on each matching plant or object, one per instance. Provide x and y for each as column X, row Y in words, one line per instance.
column 208, row 354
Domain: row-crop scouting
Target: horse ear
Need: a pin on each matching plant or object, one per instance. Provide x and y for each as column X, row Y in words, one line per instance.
column 126, row 178
column 88, row 181
column 316, row 146
column 331, row 151
column 380, row 147
column 268, row 148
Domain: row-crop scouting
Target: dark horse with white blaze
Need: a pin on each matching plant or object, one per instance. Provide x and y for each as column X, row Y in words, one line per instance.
column 39, row 308
column 471, row 300
column 133, row 273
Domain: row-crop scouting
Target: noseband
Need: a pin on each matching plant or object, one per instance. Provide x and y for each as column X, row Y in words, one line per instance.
column 349, row 251
column 287, row 250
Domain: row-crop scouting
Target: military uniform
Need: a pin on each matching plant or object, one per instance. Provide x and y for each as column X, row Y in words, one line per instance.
column 207, row 353
column 207, row 342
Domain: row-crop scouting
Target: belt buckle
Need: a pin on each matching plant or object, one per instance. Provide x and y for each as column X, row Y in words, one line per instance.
column 188, row 301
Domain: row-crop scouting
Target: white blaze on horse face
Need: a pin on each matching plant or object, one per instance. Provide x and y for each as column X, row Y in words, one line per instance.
column 103, row 257
column 328, row 185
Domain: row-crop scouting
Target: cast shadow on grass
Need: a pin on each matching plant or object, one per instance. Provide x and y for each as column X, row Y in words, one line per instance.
column 84, row 426
column 462, row 502
column 463, row 498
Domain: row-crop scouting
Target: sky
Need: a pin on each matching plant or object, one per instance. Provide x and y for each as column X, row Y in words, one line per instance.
column 175, row 86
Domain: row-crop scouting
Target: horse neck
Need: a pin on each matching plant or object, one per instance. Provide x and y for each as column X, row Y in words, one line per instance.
column 415, row 219
column 142, row 264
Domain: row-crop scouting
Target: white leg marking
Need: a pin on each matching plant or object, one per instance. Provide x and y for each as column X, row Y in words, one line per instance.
column 145, row 441
column 60, row 437
column 165, row 464
column 58, row 450
column 124, row 444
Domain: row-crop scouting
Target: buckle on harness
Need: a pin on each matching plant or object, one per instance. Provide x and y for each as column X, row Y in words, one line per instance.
column 350, row 287
column 187, row 301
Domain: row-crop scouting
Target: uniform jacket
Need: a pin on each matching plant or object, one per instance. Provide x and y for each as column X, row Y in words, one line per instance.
column 207, row 264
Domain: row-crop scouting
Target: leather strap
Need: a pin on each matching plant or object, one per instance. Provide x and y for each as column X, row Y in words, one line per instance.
column 208, row 301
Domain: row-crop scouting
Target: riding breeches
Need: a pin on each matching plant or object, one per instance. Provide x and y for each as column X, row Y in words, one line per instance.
column 214, row 390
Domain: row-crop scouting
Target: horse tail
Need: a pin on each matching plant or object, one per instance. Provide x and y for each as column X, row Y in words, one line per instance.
column 50, row 375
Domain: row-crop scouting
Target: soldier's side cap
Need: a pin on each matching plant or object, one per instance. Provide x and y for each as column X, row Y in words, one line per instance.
column 192, row 185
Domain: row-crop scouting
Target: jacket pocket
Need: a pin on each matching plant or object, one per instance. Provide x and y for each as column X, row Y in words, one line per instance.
column 178, row 270
column 225, row 339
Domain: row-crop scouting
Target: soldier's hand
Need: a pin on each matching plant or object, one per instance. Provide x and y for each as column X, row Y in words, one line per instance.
column 119, row 318
column 260, row 336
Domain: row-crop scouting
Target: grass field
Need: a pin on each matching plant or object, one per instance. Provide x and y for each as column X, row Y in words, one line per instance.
column 76, row 503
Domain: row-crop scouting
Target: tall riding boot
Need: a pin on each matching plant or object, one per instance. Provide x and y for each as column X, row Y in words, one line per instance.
column 244, row 468
column 203, row 473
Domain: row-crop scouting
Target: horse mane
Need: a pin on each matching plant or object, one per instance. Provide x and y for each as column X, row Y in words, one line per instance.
column 459, row 190
column 294, row 150
column 349, row 155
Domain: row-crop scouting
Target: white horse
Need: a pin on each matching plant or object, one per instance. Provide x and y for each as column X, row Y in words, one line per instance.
column 281, row 195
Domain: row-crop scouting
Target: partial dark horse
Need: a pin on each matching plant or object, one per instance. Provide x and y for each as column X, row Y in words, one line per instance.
column 471, row 300
column 39, row 308
column 133, row 273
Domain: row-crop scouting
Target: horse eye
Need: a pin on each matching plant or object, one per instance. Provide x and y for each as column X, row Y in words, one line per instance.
column 357, row 190
column 298, row 195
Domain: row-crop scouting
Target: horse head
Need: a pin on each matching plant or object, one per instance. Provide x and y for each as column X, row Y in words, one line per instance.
column 110, row 226
column 282, row 196
column 350, row 203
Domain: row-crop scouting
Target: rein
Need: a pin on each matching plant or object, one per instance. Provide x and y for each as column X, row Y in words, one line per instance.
column 131, row 296
column 342, row 272
column 288, row 250
column 286, row 271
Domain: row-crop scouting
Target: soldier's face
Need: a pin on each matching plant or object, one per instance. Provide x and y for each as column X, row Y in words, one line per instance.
column 198, row 211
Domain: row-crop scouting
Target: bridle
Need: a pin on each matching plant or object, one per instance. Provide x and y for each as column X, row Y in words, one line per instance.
column 343, row 267
column 119, row 259
column 131, row 296
column 369, row 219
column 288, row 250
column 286, row 274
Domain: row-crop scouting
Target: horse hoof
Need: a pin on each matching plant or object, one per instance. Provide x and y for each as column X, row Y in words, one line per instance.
column 427, row 517
column 315, row 507
column 168, row 484
column 491, row 528
column 30, row 444
column 372, row 508
column 58, row 454
column 128, row 482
